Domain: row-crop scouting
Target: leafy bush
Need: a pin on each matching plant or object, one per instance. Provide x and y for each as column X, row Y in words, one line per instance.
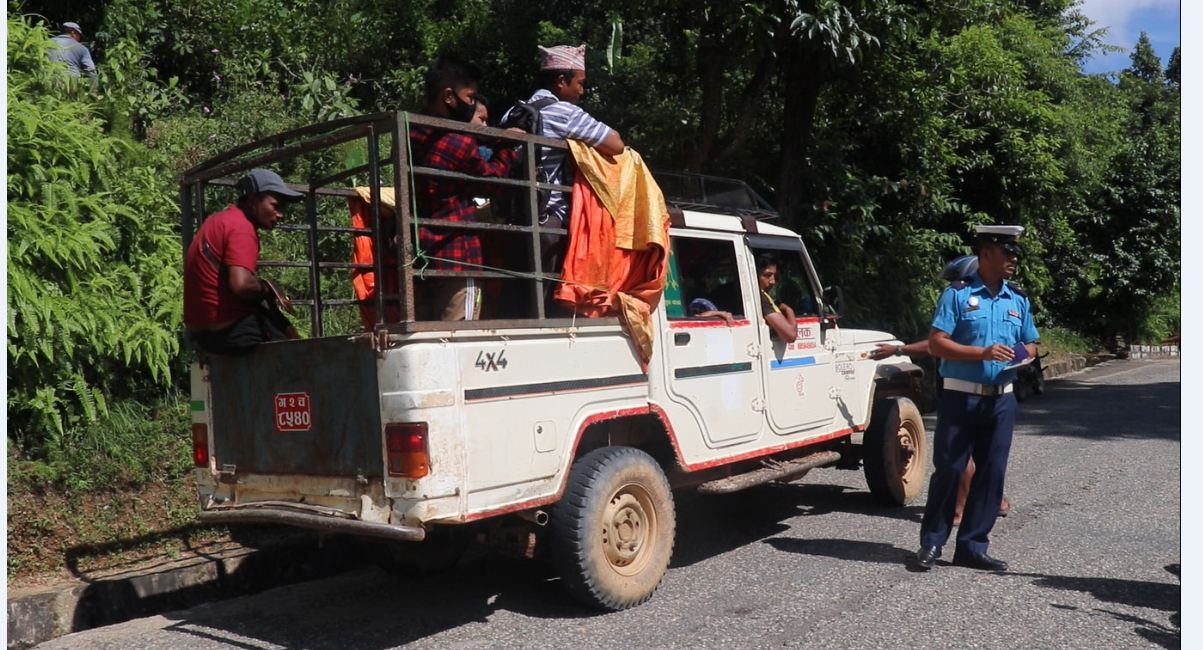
column 132, row 445
column 93, row 267
column 1060, row 342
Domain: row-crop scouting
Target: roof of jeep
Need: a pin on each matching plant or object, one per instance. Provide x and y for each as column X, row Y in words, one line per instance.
column 726, row 223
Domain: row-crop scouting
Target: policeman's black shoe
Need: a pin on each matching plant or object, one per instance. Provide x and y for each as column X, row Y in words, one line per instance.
column 926, row 557
column 978, row 561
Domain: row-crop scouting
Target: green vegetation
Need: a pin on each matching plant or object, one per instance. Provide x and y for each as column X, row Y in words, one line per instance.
column 883, row 131
column 94, row 284
column 1059, row 343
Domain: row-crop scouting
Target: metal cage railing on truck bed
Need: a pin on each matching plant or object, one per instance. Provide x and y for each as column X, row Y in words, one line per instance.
column 391, row 128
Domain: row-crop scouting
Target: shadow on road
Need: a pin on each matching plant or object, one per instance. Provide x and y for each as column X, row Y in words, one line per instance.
column 1153, row 632
column 1134, row 593
column 844, row 549
column 1142, row 594
column 296, row 556
column 712, row 525
column 371, row 609
column 1078, row 407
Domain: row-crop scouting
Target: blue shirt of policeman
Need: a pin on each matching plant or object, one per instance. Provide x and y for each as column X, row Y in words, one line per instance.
column 979, row 321
column 979, row 326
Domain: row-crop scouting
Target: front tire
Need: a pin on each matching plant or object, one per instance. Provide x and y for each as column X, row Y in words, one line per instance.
column 895, row 452
column 613, row 531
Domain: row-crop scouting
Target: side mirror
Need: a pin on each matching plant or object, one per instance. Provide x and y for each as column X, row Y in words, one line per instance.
column 833, row 299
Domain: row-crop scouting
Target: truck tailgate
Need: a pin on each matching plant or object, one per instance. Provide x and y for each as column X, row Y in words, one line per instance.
column 299, row 407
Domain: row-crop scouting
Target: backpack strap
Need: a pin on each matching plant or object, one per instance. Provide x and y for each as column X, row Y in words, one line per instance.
column 223, row 271
column 542, row 103
column 538, row 105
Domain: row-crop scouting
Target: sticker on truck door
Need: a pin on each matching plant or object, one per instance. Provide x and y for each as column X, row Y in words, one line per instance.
column 293, row 412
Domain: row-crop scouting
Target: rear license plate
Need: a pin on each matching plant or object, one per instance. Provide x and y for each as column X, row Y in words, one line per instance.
column 293, row 412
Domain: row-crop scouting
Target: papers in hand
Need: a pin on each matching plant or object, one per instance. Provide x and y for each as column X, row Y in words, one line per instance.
column 1019, row 364
column 1021, row 357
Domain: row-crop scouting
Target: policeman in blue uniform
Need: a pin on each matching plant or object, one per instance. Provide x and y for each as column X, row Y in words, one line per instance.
column 981, row 326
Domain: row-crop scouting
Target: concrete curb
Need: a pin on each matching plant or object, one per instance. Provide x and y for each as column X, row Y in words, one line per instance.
column 47, row 614
column 1074, row 363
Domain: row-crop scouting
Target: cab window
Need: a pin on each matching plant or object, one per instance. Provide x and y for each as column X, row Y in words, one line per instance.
column 792, row 286
column 706, row 275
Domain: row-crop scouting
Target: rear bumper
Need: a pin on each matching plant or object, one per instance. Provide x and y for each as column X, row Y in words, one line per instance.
column 310, row 517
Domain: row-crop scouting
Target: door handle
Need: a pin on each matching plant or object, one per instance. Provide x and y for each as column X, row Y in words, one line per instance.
column 681, row 338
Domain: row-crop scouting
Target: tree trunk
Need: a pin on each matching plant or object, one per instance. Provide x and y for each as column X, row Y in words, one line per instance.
column 804, row 78
column 710, row 73
column 715, row 57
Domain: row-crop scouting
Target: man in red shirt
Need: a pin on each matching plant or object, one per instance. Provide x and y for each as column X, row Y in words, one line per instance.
column 227, row 309
column 451, row 86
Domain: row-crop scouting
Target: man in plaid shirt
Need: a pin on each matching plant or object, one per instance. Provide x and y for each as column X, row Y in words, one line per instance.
column 451, row 86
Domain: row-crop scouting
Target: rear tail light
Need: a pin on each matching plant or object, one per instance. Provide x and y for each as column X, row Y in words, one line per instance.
column 200, row 444
column 408, row 453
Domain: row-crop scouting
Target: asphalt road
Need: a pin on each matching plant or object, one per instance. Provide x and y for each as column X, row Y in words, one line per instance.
column 1093, row 543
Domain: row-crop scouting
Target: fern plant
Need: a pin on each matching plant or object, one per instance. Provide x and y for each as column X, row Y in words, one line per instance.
column 93, row 261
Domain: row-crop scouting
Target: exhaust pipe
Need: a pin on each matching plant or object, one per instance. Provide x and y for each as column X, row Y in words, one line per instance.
column 537, row 517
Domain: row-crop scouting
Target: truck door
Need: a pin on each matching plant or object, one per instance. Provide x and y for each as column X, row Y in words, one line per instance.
column 798, row 376
column 711, row 364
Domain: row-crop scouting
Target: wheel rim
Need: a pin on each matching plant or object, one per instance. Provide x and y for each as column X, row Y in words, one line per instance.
column 629, row 531
column 910, row 443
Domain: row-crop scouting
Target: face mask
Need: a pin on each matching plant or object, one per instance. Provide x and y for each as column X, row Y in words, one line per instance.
column 463, row 111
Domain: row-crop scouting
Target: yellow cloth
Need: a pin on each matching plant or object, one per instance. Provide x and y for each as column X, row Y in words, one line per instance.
column 627, row 189
column 617, row 257
column 386, row 196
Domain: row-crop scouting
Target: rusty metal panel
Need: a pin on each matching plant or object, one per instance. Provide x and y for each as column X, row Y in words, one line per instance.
column 335, row 431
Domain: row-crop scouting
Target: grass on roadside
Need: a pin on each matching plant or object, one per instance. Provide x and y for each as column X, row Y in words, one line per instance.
column 1060, row 343
column 119, row 484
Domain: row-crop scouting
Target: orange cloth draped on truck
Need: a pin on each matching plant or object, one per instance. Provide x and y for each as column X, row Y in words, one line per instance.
column 364, row 280
column 618, row 239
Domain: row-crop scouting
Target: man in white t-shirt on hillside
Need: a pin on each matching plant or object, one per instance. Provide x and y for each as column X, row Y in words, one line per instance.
column 562, row 77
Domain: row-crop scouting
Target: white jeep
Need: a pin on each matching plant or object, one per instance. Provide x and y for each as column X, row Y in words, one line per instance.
column 547, row 430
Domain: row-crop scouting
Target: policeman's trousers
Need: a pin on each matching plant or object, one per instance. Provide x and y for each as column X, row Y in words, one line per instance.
column 968, row 424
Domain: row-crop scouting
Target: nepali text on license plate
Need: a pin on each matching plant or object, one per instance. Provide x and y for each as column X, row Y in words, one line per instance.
column 293, row 411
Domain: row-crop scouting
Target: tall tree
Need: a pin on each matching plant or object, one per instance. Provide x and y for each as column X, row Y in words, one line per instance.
column 1145, row 64
column 827, row 36
column 733, row 34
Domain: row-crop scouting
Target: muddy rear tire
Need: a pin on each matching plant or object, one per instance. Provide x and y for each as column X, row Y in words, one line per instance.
column 613, row 531
column 896, row 452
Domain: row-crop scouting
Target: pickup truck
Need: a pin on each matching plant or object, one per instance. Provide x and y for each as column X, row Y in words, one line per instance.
column 545, row 430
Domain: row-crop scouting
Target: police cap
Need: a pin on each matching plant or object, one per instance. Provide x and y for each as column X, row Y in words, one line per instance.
column 1006, row 236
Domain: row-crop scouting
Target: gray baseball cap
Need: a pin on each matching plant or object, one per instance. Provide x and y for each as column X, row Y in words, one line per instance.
column 265, row 180
column 75, row 26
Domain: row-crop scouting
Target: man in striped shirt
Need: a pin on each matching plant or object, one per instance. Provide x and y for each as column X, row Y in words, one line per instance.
column 562, row 78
